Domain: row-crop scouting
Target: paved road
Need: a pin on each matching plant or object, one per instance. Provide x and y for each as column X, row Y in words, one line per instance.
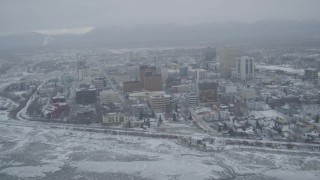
column 198, row 121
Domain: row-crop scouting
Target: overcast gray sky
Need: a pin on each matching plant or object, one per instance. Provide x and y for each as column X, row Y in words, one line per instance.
column 30, row 15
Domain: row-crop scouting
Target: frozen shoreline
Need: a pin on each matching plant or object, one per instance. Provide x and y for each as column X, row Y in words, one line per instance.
column 37, row 152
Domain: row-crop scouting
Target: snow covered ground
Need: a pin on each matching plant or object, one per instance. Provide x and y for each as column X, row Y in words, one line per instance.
column 44, row 153
column 179, row 128
column 287, row 69
column 20, row 93
column 267, row 114
column 7, row 103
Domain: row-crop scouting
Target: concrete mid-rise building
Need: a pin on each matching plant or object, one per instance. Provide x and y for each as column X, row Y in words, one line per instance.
column 131, row 86
column 160, row 103
column 192, row 99
column 107, row 97
column 100, row 83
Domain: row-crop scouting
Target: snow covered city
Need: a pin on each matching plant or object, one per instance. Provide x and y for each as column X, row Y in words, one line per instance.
column 160, row 90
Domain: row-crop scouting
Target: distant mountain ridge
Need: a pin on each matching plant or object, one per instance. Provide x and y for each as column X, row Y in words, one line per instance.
column 264, row 32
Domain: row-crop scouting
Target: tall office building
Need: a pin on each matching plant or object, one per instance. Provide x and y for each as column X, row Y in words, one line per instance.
column 149, row 78
column 245, row 68
column 153, row 82
column 207, row 90
column 160, row 103
column 210, row 56
column 146, row 70
column 83, row 71
column 227, row 61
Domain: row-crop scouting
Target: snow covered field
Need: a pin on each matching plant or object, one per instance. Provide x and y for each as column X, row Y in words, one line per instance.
column 282, row 68
column 44, row 153
column 179, row 128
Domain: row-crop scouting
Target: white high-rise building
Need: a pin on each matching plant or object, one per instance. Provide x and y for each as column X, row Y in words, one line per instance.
column 245, row 68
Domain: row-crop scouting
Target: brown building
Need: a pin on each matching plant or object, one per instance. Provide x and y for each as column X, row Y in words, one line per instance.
column 146, row 70
column 208, row 91
column 131, row 86
column 153, row 82
column 150, row 80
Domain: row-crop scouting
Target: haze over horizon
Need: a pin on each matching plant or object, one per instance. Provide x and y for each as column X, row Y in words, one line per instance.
column 65, row 15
